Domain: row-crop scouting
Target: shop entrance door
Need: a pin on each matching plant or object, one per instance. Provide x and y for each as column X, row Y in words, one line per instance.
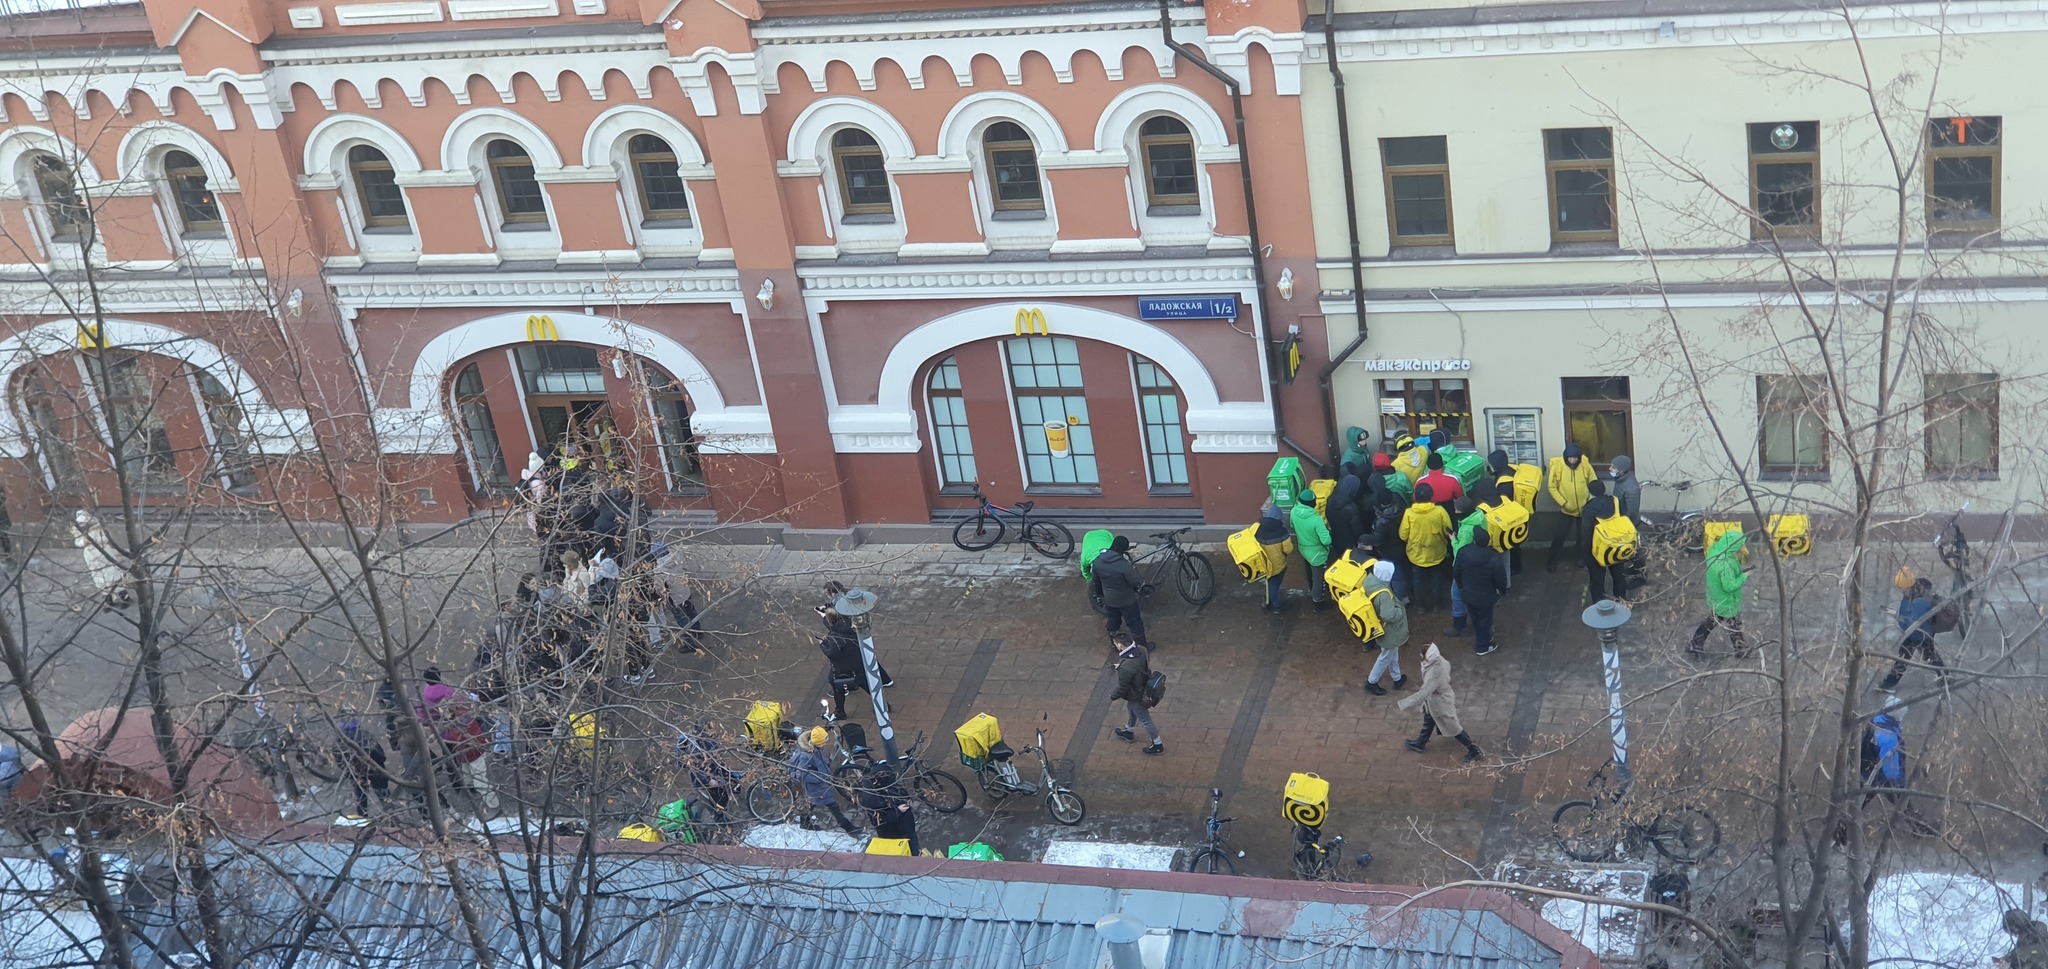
column 1598, row 417
column 584, row 422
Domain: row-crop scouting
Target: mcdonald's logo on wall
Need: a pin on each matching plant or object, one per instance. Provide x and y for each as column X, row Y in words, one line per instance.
column 89, row 337
column 1031, row 322
column 540, row 328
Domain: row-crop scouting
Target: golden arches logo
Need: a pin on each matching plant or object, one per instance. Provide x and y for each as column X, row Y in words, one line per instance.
column 540, row 328
column 1031, row 322
column 89, row 337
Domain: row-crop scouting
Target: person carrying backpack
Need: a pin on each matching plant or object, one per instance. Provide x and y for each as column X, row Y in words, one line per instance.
column 814, row 772
column 1426, row 528
column 1481, row 579
column 1394, row 628
column 1917, row 619
column 1133, row 673
column 1727, row 577
column 1312, row 536
column 1604, row 580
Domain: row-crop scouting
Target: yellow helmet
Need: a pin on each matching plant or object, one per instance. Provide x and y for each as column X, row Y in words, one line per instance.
column 1904, row 577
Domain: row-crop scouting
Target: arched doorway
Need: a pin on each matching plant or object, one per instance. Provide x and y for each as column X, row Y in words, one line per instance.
column 622, row 412
column 179, row 431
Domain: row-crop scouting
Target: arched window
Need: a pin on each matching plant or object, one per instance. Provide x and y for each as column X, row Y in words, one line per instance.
column 1169, row 154
column 377, row 191
column 863, row 183
column 519, row 195
column 62, row 204
column 678, row 441
column 1045, row 381
column 134, row 420
column 487, row 456
column 955, row 449
column 198, row 211
column 224, row 426
column 660, row 183
column 1012, row 168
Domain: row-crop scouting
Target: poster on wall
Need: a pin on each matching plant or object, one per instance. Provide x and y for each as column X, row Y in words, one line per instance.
column 1518, row 431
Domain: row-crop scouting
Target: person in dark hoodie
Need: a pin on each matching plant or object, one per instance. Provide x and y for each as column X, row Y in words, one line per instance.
column 1602, row 581
column 1628, row 493
column 1501, row 472
column 1115, row 582
column 1481, row 584
column 847, row 671
column 1379, row 494
column 1346, row 525
column 1357, row 446
column 1272, row 530
column 1385, row 528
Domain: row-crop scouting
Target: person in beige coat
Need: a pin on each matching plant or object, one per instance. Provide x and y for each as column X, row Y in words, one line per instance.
column 1439, row 706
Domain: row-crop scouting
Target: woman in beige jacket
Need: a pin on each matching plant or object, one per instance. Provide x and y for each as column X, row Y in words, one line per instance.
column 1439, row 706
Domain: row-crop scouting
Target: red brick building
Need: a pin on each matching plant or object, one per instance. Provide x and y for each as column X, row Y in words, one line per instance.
column 823, row 262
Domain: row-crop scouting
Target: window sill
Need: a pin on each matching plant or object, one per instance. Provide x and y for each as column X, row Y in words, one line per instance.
column 1019, row 215
column 868, row 218
column 1174, row 211
column 1091, row 491
column 1170, row 491
column 524, row 227
column 689, row 491
column 1794, row 476
column 1960, row 236
column 667, row 224
column 962, row 490
column 387, row 230
column 206, row 235
column 1961, row 474
column 1422, row 250
column 1584, row 247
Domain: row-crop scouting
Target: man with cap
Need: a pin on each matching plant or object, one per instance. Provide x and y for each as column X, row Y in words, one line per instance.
column 814, row 772
column 1394, row 619
column 1114, row 582
column 1312, row 536
column 1570, row 474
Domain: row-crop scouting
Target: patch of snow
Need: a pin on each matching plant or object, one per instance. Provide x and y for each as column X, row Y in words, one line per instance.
column 1942, row 918
column 794, row 837
column 1110, row 854
column 1611, row 931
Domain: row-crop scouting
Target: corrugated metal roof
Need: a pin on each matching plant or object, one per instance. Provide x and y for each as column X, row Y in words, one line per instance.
column 776, row 910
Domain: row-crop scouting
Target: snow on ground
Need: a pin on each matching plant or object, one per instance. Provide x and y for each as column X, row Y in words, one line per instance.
column 1110, row 854
column 1610, row 931
column 1942, row 918
column 794, row 837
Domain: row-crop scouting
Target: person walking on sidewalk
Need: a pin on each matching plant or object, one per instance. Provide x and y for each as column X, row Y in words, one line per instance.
column 1916, row 605
column 1439, row 706
column 814, row 772
column 1133, row 669
column 1272, row 531
column 362, row 762
column 1426, row 528
column 1568, row 481
column 1114, row 580
column 1727, row 577
column 848, row 671
column 1312, row 536
column 1394, row 635
column 1466, row 518
column 1482, row 582
column 1600, row 578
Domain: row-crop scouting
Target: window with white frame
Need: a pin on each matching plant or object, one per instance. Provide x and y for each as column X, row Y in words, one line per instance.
column 658, row 180
column 1166, row 451
column 863, row 180
column 1168, row 151
column 481, row 431
column 1045, row 380
column 198, row 210
column 951, row 443
column 520, row 200
column 1012, row 159
column 378, row 197
column 62, row 205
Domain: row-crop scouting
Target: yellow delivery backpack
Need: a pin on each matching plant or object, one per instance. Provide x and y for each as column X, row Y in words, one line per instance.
column 1528, row 482
column 1323, row 488
column 1257, row 562
column 1343, row 574
column 1507, row 525
column 1614, row 539
column 1361, row 615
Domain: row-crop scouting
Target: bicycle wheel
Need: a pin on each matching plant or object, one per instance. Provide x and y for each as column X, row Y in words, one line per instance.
column 1195, row 579
column 851, row 777
column 1066, row 807
column 1212, row 861
column 940, row 791
column 1686, row 835
column 979, row 532
column 1308, row 862
column 1051, row 539
column 989, row 786
column 772, row 800
column 1583, row 831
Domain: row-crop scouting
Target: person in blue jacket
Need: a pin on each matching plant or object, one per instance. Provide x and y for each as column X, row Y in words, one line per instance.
column 1918, row 628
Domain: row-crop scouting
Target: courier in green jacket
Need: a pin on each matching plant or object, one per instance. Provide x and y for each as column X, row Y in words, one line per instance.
column 1312, row 535
column 1727, row 577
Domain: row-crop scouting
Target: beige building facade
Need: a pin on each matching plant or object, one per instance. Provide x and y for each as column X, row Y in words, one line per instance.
column 1669, row 234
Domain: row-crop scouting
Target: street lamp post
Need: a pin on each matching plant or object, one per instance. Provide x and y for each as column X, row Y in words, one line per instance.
column 855, row 605
column 1608, row 616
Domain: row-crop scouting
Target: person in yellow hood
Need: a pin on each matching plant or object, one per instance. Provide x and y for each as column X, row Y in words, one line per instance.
column 1426, row 528
column 1570, row 474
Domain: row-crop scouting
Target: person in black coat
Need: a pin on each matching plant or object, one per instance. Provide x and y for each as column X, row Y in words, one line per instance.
column 1481, row 583
column 1600, row 579
column 1114, row 581
column 888, row 806
column 1346, row 523
column 1386, row 540
column 841, row 647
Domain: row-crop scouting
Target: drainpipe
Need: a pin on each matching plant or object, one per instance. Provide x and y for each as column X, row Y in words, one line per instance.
column 1351, row 222
column 1251, row 218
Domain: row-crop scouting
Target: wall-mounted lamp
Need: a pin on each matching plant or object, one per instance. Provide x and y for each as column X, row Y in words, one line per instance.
column 295, row 304
column 619, row 363
column 766, row 294
column 1286, row 284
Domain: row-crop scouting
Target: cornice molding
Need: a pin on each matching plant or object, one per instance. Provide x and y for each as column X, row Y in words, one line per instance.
column 556, row 287
column 1105, row 277
column 129, row 295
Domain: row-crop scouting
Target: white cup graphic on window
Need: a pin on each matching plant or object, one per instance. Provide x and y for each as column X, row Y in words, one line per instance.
column 1056, row 438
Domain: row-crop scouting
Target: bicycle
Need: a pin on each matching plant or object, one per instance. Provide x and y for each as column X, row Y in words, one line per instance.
column 1595, row 830
column 1051, row 539
column 1193, row 577
column 1953, row 547
column 935, row 787
column 1684, row 530
column 776, row 793
column 1315, row 861
column 1215, row 850
column 999, row 779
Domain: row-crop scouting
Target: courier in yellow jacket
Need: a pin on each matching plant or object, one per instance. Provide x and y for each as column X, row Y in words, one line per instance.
column 1426, row 528
column 1569, row 480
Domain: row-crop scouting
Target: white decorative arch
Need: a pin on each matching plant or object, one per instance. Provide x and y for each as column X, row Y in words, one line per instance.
column 1126, row 110
column 142, row 143
column 613, row 126
column 26, row 140
column 275, row 431
column 717, row 425
column 963, row 124
column 327, row 145
column 808, row 135
column 1215, row 425
column 478, row 125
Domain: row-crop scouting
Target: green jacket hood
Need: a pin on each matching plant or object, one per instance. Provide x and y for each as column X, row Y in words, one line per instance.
column 1732, row 543
column 1725, row 578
